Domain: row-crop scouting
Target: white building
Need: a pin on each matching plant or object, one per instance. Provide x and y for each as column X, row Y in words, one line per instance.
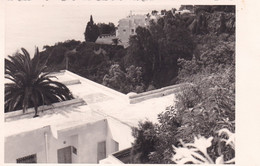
column 84, row 130
column 127, row 27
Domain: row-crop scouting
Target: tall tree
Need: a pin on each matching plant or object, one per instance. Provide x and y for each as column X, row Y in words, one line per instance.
column 92, row 31
column 143, row 52
column 31, row 85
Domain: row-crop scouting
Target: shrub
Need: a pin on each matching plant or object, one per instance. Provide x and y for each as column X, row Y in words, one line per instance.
column 197, row 153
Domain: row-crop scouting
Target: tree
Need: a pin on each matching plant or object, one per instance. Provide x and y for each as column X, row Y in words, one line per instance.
column 125, row 82
column 163, row 12
column 143, row 52
column 106, row 28
column 31, row 85
column 115, row 78
column 154, row 12
column 144, row 144
column 92, row 31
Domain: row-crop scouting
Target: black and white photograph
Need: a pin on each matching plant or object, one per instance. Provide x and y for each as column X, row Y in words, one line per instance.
column 120, row 82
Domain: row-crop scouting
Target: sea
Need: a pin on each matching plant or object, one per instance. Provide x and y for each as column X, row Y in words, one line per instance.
column 31, row 24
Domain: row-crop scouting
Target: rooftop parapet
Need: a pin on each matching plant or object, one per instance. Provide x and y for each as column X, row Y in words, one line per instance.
column 9, row 116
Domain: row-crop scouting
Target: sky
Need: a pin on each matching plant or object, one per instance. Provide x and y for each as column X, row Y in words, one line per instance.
column 31, row 24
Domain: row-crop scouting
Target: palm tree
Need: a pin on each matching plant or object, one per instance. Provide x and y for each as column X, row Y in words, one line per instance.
column 31, row 85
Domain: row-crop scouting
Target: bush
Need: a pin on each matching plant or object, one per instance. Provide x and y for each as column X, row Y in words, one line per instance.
column 197, row 152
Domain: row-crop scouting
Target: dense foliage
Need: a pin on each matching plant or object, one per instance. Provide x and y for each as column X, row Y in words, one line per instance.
column 156, row 49
column 30, row 84
column 207, row 105
column 106, row 28
column 87, row 59
column 129, row 81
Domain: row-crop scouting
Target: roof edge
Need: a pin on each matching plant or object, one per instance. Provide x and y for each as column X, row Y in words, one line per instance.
column 18, row 113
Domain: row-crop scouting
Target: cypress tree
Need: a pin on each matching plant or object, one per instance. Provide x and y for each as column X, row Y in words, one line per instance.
column 91, row 32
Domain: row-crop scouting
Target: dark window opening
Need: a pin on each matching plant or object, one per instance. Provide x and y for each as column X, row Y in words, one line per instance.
column 74, row 150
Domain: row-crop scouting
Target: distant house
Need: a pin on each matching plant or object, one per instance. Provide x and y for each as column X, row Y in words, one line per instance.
column 127, row 27
column 93, row 127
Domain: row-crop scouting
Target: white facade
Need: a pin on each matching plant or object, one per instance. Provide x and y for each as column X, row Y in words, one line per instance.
column 66, row 132
column 83, row 142
column 127, row 27
column 83, row 130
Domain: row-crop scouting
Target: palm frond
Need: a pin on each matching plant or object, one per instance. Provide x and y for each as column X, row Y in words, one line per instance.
column 31, row 86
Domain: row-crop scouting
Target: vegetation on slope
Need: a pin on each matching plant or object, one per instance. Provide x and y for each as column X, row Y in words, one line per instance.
column 155, row 49
column 202, row 109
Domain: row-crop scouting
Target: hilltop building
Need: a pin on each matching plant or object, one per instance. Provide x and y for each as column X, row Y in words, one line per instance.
column 127, row 27
column 92, row 128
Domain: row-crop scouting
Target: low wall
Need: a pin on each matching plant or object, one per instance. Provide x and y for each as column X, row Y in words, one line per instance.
column 136, row 98
column 19, row 113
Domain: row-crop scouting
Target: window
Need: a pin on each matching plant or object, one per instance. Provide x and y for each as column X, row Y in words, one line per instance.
column 27, row 159
column 133, row 31
column 74, row 150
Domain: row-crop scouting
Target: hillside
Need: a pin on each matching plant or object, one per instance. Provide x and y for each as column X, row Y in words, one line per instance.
column 153, row 54
column 199, row 128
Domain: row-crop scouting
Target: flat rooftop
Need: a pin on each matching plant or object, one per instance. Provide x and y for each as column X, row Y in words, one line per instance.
column 60, row 118
column 95, row 102
column 89, row 91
